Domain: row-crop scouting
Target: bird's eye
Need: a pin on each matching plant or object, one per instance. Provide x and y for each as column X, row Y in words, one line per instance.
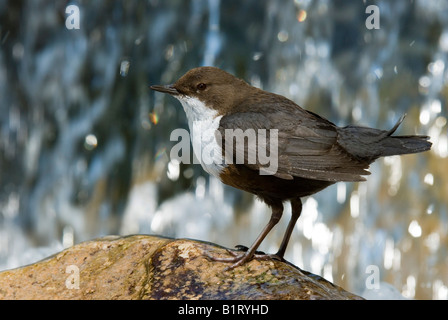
column 201, row 86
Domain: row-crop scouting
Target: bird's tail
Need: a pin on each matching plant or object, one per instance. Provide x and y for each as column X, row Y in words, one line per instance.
column 370, row 144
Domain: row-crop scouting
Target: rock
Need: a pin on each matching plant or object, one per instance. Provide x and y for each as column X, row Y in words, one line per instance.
column 149, row 267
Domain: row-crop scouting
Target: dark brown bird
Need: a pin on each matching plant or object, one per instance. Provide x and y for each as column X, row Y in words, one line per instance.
column 310, row 152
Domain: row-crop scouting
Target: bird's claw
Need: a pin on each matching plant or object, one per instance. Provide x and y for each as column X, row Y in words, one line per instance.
column 239, row 259
column 240, row 247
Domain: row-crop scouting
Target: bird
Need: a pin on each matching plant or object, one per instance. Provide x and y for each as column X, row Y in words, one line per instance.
column 311, row 152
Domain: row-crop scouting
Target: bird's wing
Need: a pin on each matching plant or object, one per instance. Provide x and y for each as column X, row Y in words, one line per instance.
column 306, row 145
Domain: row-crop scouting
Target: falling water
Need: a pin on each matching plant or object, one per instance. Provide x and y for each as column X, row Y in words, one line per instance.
column 84, row 145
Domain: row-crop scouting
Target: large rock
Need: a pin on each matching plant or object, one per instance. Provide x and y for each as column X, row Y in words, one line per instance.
column 148, row 267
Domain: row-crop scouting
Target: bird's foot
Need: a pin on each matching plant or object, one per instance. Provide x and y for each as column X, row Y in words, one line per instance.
column 260, row 255
column 238, row 258
column 240, row 247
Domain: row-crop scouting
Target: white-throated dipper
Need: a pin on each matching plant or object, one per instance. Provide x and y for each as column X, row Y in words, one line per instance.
column 311, row 152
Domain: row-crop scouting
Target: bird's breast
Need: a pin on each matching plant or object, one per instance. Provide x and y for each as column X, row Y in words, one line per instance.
column 203, row 123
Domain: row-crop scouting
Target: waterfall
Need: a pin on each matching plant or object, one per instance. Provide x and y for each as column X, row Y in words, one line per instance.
column 84, row 144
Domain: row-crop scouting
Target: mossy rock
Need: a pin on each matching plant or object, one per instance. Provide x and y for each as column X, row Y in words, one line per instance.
column 150, row 267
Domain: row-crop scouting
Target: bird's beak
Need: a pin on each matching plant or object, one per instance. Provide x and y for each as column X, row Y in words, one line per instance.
column 170, row 89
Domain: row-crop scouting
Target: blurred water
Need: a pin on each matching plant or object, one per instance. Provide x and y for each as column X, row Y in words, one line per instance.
column 84, row 145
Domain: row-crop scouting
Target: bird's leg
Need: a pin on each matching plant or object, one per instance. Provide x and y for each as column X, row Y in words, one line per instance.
column 240, row 259
column 296, row 210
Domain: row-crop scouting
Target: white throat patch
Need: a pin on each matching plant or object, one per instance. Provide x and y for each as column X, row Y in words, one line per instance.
column 203, row 122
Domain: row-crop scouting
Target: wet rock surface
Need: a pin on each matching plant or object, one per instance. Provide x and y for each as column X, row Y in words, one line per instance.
column 150, row 267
